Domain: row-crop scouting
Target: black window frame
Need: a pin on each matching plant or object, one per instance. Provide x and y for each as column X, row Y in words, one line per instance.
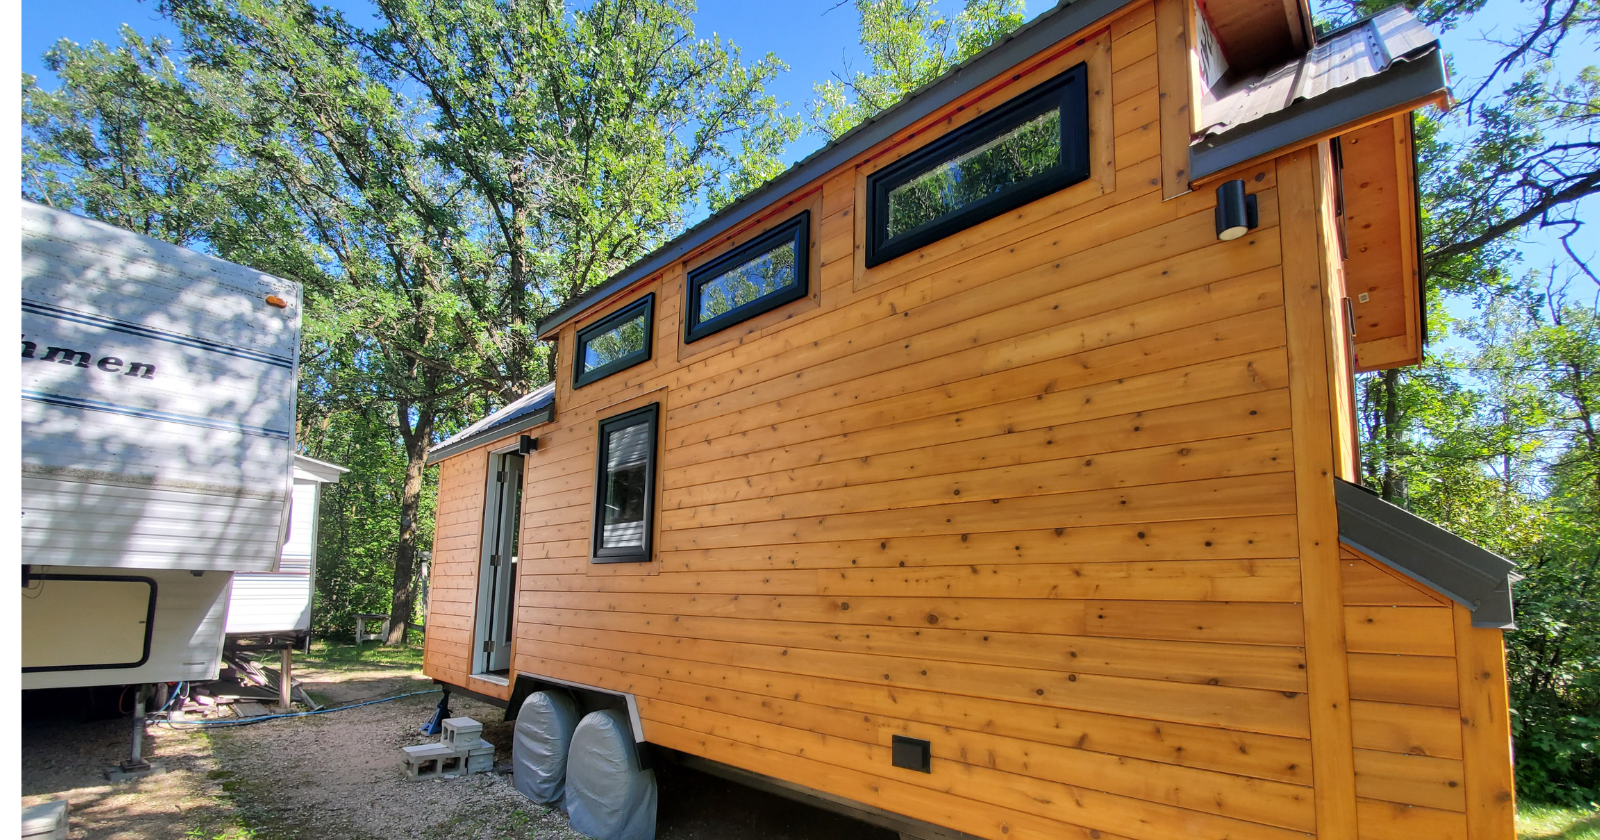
column 598, row 553
column 796, row 230
column 647, row 304
column 1067, row 91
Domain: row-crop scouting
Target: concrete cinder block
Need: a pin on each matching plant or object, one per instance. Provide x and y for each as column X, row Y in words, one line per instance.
column 427, row 761
column 453, row 765
column 45, row 821
column 460, row 733
column 422, row 768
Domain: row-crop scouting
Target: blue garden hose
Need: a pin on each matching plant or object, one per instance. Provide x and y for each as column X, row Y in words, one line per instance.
column 264, row 718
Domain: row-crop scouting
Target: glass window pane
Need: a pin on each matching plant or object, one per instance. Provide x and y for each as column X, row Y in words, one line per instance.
column 1025, row 151
column 757, row 278
column 619, row 342
column 627, row 458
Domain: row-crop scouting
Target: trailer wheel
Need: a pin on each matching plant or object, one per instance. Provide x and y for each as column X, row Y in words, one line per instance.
column 539, row 747
column 609, row 795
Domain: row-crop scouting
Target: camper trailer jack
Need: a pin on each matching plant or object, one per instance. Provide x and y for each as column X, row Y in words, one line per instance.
column 135, row 766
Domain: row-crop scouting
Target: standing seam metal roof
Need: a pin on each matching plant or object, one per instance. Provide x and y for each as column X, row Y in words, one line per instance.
column 1369, row 66
column 538, row 406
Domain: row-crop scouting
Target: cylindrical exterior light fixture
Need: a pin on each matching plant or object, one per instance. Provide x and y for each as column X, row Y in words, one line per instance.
column 1236, row 211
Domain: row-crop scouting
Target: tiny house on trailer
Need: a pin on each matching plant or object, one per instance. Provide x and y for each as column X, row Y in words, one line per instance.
column 157, row 409
column 994, row 470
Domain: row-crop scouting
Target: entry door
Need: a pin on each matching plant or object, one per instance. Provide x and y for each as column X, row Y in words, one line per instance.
column 497, row 577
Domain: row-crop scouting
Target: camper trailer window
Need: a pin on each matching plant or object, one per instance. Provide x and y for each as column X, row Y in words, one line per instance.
column 614, row 343
column 625, row 487
column 1021, row 151
column 763, row 275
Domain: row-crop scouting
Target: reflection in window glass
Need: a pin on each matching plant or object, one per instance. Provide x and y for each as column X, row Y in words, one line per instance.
column 755, row 279
column 627, row 459
column 1011, row 158
column 621, row 341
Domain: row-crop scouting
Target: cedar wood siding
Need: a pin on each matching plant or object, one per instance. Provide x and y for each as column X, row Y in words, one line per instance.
column 1029, row 494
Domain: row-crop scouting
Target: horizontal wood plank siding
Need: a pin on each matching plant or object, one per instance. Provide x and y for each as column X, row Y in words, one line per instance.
column 1418, row 774
column 1028, row 493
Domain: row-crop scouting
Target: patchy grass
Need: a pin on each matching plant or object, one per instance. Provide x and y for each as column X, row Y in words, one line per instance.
column 340, row 657
column 1554, row 822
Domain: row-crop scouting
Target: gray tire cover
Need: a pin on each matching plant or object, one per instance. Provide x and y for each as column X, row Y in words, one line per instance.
column 609, row 797
column 539, row 748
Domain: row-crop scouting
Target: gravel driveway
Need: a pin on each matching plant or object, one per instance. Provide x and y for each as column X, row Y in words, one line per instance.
column 339, row 776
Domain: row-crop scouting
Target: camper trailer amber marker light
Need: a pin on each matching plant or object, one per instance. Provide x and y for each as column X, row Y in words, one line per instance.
column 1236, row 211
column 274, row 300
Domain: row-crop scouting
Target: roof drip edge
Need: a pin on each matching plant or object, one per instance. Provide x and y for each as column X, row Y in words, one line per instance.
column 1462, row 571
column 1037, row 35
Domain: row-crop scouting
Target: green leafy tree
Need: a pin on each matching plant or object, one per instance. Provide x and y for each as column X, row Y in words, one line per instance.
column 437, row 183
column 129, row 139
column 587, row 135
column 908, row 44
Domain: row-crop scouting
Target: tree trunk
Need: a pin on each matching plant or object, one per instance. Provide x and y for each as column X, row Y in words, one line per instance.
column 418, row 442
column 1390, row 485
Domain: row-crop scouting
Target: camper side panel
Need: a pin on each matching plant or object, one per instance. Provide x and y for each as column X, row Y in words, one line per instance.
column 158, row 402
column 61, row 629
column 453, row 581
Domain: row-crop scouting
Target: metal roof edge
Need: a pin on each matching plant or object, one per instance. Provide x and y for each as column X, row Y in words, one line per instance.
column 1033, row 37
column 1406, row 80
column 325, row 471
column 493, row 433
column 1468, row 574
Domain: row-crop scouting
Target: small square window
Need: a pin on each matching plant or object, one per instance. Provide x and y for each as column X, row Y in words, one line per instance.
column 614, row 343
column 764, row 274
column 1019, row 152
column 624, row 505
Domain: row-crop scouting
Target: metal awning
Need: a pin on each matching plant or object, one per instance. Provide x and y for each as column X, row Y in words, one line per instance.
column 1464, row 572
column 538, row 406
column 1371, row 66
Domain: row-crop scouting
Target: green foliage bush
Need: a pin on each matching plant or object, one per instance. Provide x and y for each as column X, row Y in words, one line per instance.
column 360, row 517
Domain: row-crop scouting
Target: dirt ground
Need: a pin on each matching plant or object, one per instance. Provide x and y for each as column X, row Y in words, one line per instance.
column 339, row 776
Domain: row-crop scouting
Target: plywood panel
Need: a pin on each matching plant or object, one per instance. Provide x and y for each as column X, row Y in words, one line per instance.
column 910, row 712
column 1378, row 820
column 1421, row 631
column 1411, row 779
column 1043, row 797
column 1201, row 663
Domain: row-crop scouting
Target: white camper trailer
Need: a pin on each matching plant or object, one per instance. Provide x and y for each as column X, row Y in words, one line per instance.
column 158, row 405
column 274, row 608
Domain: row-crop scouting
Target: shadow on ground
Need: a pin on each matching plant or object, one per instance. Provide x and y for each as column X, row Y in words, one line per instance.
column 695, row 806
column 339, row 775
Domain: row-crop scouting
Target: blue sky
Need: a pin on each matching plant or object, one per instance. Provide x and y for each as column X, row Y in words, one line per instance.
column 813, row 40
column 810, row 38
